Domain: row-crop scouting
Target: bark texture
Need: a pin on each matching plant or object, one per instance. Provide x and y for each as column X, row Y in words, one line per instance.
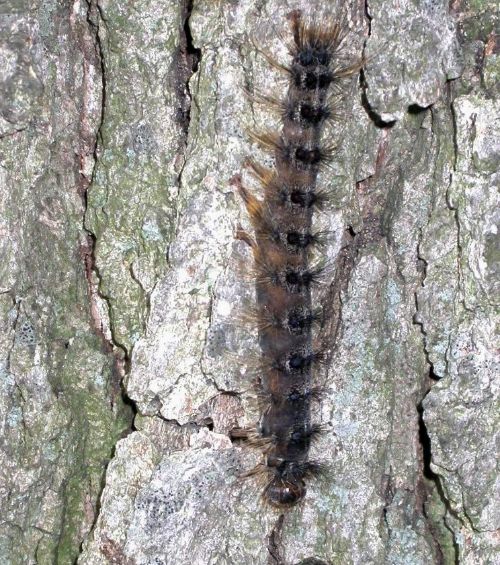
column 122, row 283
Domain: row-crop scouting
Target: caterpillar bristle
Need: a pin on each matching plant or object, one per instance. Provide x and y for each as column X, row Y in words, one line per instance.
column 315, row 41
column 318, row 393
column 293, row 280
column 250, row 437
column 308, row 156
column 265, row 100
column 242, row 235
column 349, row 70
column 316, row 431
column 294, row 321
column 294, row 240
column 298, row 321
column 306, row 114
column 267, row 140
column 294, row 395
column 300, row 156
column 240, row 433
column 294, row 193
column 259, row 470
column 296, row 362
column 300, row 200
column 253, row 205
column 263, row 174
column 250, row 317
column 312, row 469
column 275, row 270
column 270, row 59
column 318, row 41
column 322, row 238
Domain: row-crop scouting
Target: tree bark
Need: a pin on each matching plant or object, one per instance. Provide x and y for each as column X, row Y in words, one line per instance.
column 124, row 363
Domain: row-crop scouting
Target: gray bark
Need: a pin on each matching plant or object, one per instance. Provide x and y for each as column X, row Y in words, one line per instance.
column 122, row 285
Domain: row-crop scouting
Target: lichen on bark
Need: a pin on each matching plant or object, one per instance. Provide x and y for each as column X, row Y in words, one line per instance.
column 61, row 405
column 118, row 145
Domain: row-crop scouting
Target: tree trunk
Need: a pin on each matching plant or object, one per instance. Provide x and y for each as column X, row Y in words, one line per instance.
column 123, row 286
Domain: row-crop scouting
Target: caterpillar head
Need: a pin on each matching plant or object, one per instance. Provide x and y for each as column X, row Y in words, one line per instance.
column 284, row 492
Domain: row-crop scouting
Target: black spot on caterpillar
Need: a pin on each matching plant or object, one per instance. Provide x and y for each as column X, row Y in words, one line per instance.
column 282, row 245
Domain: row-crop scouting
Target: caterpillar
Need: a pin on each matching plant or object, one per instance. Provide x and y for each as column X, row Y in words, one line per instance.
column 283, row 246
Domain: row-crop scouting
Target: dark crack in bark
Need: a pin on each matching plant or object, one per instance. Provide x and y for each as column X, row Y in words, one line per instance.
column 431, row 485
column 274, row 543
column 374, row 117
column 93, row 51
column 185, row 64
column 121, row 356
column 422, row 265
column 430, row 481
column 275, row 549
column 188, row 61
column 428, row 484
column 110, row 344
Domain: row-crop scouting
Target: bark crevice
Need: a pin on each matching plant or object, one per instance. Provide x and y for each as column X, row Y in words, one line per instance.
column 431, row 477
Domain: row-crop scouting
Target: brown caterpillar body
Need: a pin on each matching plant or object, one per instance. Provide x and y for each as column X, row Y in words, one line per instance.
column 282, row 246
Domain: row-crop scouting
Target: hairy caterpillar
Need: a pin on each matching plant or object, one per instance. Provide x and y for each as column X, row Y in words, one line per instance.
column 282, row 247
